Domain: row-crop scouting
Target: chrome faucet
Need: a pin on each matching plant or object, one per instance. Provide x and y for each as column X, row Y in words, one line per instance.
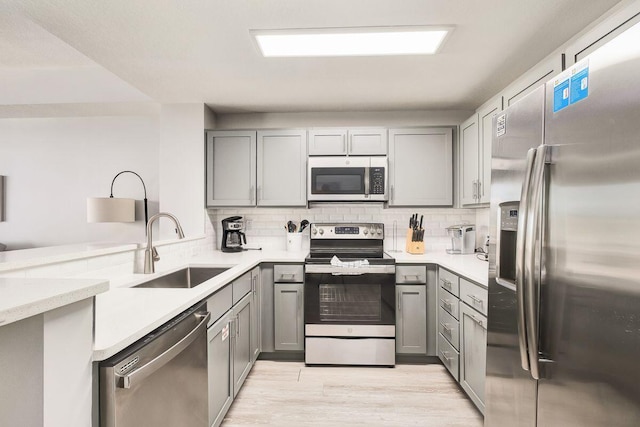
column 151, row 254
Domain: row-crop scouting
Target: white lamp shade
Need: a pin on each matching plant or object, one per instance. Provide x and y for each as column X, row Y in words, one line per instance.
column 111, row 209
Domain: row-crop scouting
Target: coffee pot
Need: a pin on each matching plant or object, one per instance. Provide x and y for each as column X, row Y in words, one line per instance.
column 233, row 234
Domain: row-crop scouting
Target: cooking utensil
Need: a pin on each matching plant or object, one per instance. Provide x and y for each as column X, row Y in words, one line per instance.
column 291, row 227
column 303, row 224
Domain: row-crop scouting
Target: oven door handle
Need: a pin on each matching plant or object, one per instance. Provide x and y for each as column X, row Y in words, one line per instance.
column 349, row 271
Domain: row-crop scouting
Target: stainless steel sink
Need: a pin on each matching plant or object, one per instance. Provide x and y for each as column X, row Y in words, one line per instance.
column 189, row 277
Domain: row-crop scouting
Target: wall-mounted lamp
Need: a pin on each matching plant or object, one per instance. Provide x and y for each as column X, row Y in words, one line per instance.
column 112, row 209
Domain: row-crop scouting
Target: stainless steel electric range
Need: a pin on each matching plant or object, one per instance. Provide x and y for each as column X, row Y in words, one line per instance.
column 349, row 301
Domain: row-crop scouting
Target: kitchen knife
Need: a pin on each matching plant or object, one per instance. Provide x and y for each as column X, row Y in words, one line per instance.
column 421, row 218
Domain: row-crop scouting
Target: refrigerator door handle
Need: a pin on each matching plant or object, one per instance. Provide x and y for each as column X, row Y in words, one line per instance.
column 532, row 276
column 520, row 259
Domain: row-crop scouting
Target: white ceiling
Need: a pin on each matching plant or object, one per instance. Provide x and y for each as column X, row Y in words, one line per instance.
column 201, row 50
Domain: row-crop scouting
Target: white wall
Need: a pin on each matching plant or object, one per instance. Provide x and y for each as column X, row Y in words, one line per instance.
column 182, row 166
column 53, row 164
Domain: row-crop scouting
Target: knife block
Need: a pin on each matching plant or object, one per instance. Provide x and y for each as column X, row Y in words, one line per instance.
column 413, row 247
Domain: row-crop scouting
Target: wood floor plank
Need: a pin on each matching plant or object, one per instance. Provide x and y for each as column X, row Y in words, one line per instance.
column 292, row 394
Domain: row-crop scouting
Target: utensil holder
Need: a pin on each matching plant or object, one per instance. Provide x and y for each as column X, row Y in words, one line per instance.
column 413, row 247
column 294, row 242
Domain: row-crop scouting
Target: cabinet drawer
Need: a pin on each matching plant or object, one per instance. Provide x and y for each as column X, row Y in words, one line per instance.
column 449, row 327
column 449, row 356
column 411, row 274
column 241, row 287
column 474, row 295
column 288, row 273
column 449, row 281
column 448, row 302
column 219, row 303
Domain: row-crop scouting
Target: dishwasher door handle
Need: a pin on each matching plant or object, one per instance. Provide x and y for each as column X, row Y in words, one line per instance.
column 162, row 359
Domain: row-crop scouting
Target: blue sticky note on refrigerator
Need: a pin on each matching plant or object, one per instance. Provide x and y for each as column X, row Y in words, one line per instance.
column 579, row 85
column 560, row 95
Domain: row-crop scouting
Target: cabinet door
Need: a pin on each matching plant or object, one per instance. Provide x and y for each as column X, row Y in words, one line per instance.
column 282, row 168
column 469, row 161
column 220, row 383
column 327, row 142
column 231, row 168
column 242, row 342
column 411, row 319
column 255, row 314
column 485, row 120
column 289, row 319
column 367, row 142
column 421, row 167
column 473, row 353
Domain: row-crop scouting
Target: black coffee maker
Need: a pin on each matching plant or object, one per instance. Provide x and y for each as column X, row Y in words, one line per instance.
column 232, row 234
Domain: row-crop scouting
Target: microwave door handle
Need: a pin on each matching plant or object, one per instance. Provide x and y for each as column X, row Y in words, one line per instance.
column 520, row 259
column 367, row 171
column 532, row 275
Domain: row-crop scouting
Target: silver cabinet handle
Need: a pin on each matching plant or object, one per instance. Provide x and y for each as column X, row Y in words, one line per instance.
column 447, row 358
column 520, row 249
column 344, row 143
column 475, row 191
column 238, row 326
column 399, row 297
column 291, row 276
column 350, row 143
column 475, row 299
column 446, row 284
column 479, row 189
column 532, row 276
column 391, row 195
column 446, row 328
column 252, row 191
column 447, row 303
column 165, row 357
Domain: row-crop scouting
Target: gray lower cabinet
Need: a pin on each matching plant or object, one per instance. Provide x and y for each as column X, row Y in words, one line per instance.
column 242, row 360
column 473, row 353
column 220, row 383
column 256, row 295
column 288, row 304
column 411, row 319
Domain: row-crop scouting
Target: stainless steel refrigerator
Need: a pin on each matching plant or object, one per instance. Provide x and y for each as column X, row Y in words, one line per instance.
column 563, row 341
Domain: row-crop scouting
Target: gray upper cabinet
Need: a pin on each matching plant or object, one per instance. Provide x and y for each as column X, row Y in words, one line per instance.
column 281, row 168
column 355, row 142
column 231, row 168
column 485, row 121
column 327, row 142
column 421, row 167
column 469, row 161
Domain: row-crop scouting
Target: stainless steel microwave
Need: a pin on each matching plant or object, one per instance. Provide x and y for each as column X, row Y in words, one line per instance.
column 347, row 179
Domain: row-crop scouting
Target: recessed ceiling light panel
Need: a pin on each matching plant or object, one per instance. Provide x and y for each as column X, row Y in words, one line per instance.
column 351, row 41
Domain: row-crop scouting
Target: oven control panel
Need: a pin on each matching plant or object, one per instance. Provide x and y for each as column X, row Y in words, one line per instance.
column 348, row 231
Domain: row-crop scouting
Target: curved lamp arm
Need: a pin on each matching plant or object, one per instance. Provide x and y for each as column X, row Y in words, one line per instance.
column 146, row 213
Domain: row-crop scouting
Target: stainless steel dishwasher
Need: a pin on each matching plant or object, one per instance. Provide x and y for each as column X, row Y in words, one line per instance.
column 161, row 380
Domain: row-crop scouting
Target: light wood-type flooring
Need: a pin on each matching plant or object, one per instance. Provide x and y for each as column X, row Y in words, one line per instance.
column 292, row 394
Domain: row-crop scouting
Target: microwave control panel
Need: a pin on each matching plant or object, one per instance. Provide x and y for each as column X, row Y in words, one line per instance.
column 376, row 180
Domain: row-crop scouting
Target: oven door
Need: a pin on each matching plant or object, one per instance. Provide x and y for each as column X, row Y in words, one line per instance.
column 363, row 302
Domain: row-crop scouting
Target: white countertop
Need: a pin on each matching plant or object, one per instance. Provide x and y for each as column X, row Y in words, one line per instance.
column 468, row 266
column 22, row 298
column 125, row 314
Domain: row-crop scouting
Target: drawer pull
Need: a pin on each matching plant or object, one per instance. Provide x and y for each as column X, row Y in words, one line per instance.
column 416, row 278
column 444, row 355
column 475, row 299
column 446, row 284
column 446, row 303
column 290, row 276
column 446, row 328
